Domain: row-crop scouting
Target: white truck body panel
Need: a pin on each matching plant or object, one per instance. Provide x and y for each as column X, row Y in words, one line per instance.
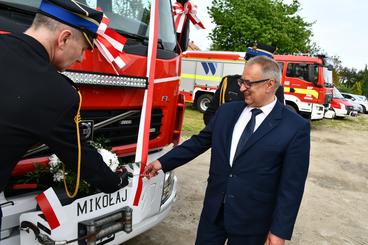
column 145, row 216
column 202, row 74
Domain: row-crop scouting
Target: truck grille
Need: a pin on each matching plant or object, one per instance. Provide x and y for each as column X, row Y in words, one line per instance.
column 124, row 131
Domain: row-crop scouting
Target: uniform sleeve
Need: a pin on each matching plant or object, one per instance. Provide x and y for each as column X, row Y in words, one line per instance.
column 213, row 105
column 292, row 181
column 62, row 140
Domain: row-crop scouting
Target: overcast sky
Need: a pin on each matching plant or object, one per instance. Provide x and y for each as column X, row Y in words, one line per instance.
column 340, row 29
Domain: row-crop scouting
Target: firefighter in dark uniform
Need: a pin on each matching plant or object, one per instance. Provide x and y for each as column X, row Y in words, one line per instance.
column 229, row 89
column 40, row 105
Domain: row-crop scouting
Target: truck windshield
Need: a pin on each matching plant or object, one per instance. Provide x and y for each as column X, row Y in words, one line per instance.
column 328, row 77
column 129, row 17
column 337, row 94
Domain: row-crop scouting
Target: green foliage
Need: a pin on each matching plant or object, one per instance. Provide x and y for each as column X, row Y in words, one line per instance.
column 357, row 88
column 193, row 121
column 365, row 88
column 132, row 9
column 350, row 80
column 40, row 171
column 343, row 88
column 101, row 142
column 363, row 78
column 270, row 22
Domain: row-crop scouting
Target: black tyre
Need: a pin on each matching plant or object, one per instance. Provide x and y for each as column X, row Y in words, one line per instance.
column 203, row 101
column 364, row 109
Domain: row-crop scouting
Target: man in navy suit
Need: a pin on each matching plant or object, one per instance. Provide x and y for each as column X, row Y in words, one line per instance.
column 259, row 164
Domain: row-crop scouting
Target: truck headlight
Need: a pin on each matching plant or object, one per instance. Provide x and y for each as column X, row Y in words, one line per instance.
column 168, row 186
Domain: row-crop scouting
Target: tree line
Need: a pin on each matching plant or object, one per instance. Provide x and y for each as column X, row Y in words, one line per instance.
column 273, row 22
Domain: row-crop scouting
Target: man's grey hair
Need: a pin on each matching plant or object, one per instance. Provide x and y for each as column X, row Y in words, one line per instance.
column 52, row 25
column 270, row 68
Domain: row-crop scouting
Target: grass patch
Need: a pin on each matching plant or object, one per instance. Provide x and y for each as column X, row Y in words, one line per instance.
column 359, row 123
column 193, row 122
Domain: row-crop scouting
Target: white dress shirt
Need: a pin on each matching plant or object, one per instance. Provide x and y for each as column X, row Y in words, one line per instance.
column 243, row 121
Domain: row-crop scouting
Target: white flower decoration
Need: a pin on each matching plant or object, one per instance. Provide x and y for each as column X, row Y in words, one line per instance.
column 58, row 176
column 110, row 158
column 54, row 163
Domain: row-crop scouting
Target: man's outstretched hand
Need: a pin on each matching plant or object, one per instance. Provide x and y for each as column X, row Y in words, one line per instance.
column 152, row 169
column 274, row 240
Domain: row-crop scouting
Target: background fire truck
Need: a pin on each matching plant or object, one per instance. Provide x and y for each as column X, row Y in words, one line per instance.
column 201, row 73
column 308, row 84
column 307, row 80
column 113, row 103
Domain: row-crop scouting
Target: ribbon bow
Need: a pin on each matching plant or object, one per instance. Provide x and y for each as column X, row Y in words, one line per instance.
column 182, row 12
column 111, row 45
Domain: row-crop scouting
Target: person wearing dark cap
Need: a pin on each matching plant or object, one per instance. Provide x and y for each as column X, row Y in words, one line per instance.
column 229, row 89
column 40, row 105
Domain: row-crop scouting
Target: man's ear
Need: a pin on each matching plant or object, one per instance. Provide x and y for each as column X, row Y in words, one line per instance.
column 63, row 38
column 271, row 86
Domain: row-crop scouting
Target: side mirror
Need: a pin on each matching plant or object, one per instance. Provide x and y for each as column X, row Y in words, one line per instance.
column 183, row 37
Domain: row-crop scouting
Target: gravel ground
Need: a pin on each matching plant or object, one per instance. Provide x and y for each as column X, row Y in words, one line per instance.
column 334, row 208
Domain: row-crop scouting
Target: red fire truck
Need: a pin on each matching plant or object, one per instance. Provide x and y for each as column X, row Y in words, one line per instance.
column 307, row 80
column 111, row 109
column 308, row 84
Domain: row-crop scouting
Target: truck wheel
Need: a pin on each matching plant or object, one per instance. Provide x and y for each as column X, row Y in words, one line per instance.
column 364, row 109
column 203, row 101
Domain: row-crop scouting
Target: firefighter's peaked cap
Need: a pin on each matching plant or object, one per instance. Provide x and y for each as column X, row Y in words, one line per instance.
column 74, row 14
column 259, row 49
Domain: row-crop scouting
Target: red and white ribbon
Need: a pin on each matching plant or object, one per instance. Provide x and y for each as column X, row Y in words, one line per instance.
column 145, row 121
column 51, row 207
column 181, row 13
column 111, row 45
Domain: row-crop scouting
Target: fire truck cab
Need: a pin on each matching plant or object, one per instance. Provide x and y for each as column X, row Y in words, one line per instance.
column 307, row 84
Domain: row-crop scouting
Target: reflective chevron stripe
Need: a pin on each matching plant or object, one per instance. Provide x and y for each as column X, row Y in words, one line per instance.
column 305, row 91
column 201, row 77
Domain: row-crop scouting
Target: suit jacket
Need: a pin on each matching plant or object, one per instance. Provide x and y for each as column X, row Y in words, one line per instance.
column 263, row 189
